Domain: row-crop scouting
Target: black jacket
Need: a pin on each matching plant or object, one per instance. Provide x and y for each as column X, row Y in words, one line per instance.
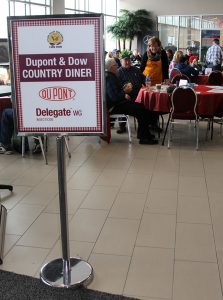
column 114, row 91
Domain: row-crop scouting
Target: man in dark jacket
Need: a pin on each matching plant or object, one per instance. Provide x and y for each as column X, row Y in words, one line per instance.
column 119, row 102
column 128, row 73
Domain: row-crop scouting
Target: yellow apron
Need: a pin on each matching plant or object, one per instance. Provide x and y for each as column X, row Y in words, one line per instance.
column 154, row 70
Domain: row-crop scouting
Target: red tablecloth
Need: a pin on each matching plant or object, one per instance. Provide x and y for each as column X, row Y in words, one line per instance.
column 201, row 79
column 209, row 104
column 153, row 100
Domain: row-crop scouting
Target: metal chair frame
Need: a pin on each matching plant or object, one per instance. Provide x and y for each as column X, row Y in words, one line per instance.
column 180, row 115
column 122, row 118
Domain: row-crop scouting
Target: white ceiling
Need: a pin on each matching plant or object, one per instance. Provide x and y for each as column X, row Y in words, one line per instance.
column 175, row 7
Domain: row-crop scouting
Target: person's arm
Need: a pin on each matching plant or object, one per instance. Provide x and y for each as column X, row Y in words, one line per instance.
column 144, row 61
column 165, row 64
column 171, row 67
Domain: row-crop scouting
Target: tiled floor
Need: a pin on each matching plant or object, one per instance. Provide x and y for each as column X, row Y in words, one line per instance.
column 148, row 219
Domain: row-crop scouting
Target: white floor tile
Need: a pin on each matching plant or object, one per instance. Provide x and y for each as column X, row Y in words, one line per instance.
column 196, row 281
column 117, row 237
column 150, row 273
column 195, row 242
column 157, row 230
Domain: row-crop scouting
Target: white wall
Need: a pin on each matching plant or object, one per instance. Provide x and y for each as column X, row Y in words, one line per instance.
column 175, row 7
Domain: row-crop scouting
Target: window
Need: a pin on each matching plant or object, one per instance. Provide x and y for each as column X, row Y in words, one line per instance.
column 108, row 7
column 184, row 31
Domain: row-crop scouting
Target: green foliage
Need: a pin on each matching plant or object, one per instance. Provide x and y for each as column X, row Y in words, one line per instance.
column 125, row 53
column 131, row 24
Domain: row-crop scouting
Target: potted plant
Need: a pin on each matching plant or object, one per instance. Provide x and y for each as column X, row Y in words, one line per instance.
column 130, row 24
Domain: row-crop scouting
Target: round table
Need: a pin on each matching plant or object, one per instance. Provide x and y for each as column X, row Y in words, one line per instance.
column 210, row 100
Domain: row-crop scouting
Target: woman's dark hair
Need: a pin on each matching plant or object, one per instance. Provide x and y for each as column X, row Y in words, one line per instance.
column 170, row 51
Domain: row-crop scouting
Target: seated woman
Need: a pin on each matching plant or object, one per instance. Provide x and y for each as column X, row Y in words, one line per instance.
column 174, row 61
column 155, row 62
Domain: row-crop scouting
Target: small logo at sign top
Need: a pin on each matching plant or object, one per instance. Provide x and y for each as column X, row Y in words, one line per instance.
column 57, row 93
column 55, row 39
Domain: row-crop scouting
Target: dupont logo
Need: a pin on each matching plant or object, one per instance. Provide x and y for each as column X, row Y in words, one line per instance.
column 57, row 93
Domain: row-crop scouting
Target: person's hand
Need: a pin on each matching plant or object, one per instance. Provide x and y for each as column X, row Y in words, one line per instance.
column 127, row 88
column 127, row 97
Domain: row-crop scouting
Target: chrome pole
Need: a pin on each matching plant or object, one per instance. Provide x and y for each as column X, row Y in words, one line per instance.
column 66, row 272
column 3, row 215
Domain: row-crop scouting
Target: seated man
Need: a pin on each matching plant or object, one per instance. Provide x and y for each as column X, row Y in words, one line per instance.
column 186, row 69
column 6, row 131
column 128, row 74
column 119, row 102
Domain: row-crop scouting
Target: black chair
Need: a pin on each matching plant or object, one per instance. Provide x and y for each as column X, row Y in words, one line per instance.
column 215, row 78
column 183, row 107
column 174, row 72
column 178, row 77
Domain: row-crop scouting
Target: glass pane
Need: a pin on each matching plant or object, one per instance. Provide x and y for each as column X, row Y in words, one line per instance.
column 38, row 1
column 68, row 12
column 20, row 9
column 95, row 6
column 48, row 11
column 189, row 33
column 3, row 17
column 109, row 7
column 212, row 22
column 11, row 9
column 37, row 9
column 80, row 4
column 69, row 4
column 168, row 36
column 110, row 42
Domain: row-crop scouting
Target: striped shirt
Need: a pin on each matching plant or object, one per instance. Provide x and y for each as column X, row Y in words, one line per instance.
column 214, row 55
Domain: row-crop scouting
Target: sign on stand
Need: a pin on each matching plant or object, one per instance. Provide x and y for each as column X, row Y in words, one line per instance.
column 58, row 70
column 57, row 67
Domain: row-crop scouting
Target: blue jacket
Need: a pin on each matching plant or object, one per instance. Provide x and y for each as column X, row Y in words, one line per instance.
column 187, row 70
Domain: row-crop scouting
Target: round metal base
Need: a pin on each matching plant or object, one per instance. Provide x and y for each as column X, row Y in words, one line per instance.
column 81, row 273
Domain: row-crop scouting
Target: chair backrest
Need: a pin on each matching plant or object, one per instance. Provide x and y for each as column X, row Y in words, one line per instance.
column 184, row 104
column 174, row 72
column 178, row 77
column 215, row 78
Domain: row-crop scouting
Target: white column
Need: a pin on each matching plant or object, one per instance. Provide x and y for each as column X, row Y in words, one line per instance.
column 58, row 7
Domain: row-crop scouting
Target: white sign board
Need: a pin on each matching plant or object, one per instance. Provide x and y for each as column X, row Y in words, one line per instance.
column 58, row 73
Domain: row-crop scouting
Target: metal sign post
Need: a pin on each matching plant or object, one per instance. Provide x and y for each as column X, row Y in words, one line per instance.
column 65, row 272
column 3, row 214
column 58, row 89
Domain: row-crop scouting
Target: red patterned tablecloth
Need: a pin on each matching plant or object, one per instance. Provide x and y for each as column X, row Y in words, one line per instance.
column 209, row 103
